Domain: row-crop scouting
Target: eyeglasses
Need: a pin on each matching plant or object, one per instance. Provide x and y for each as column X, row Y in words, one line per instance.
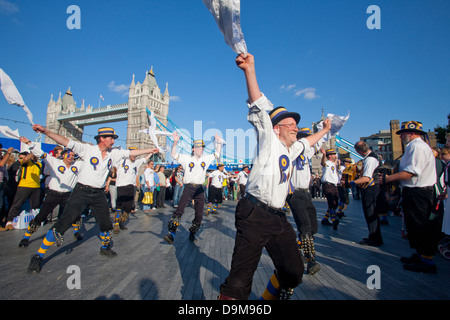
column 289, row 125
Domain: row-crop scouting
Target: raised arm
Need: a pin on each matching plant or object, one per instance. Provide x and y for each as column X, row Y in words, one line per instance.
column 56, row 137
column 322, row 162
column 176, row 137
column 6, row 156
column 314, row 138
column 218, row 146
column 247, row 64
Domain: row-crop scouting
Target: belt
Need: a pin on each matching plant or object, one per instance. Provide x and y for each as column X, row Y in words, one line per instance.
column 83, row 186
column 195, row 185
column 262, row 205
column 59, row 192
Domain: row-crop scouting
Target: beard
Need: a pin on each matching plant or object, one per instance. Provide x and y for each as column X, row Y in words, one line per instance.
column 406, row 140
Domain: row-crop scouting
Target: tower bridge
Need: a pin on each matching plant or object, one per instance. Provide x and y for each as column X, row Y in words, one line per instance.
column 66, row 119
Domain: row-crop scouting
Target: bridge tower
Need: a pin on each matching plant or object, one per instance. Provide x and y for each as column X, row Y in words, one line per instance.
column 63, row 106
column 140, row 97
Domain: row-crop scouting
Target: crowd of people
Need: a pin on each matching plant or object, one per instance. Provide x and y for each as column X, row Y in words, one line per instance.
column 109, row 182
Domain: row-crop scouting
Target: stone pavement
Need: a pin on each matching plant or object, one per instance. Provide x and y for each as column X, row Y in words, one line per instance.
column 147, row 268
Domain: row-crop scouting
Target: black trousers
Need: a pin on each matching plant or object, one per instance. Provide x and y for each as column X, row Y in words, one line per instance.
column 241, row 191
column 196, row 193
column 22, row 194
column 343, row 195
column 304, row 212
column 81, row 197
column 257, row 228
column 215, row 195
column 417, row 204
column 370, row 203
column 51, row 200
column 331, row 193
column 161, row 197
column 125, row 198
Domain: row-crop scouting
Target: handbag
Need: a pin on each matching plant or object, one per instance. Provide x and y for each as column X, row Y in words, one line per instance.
column 148, row 198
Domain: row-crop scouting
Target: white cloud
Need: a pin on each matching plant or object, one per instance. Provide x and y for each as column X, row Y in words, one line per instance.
column 288, row 87
column 7, row 8
column 119, row 88
column 307, row 93
column 174, row 99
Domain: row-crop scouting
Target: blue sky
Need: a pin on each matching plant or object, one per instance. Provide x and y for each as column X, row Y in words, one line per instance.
column 309, row 55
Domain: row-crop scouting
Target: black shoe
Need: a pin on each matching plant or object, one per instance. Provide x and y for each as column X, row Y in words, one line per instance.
column 415, row 258
column 24, row 243
column 335, row 224
column 367, row 242
column 77, row 236
column 326, row 222
column 169, row 238
column 192, row 236
column 108, row 252
column 340, row 214
column 312, row 267
column 420, row 267
column 35, row 264
column 122, row 227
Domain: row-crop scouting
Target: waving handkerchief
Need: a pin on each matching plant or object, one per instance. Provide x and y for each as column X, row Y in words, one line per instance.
column 227, row 14
column 152, row 132
column 12, row 95
column 337, row 122
column 10, row 133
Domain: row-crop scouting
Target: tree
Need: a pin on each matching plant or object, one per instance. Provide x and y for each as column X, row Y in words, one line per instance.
column 441, row 132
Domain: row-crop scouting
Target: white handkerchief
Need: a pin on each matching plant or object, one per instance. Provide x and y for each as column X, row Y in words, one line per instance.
column 8, row 132
column 227, row 14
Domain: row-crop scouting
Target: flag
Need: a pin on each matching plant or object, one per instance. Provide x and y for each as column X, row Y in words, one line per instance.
column 227, row 14
column 101, row 97
column 12, row 95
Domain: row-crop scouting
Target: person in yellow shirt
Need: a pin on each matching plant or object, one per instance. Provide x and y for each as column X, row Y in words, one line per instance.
column 29, row 188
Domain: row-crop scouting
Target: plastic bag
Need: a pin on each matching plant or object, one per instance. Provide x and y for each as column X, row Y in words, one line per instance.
column 23, row 220
column 148, row 198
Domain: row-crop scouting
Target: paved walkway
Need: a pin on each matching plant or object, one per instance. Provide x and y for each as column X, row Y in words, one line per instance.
column 147, row 268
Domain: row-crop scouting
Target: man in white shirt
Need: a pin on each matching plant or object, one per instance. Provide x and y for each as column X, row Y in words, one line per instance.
column 417, row 176
column 330, row 180
column 215, row 196
column 89, row 190
column 150, row 184
column 242, row 180
column 195, row 167
column 126, row 188
column 302, row 207
column 260, row 221
column 62, row 177
column 370, row 192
